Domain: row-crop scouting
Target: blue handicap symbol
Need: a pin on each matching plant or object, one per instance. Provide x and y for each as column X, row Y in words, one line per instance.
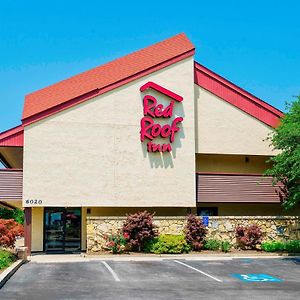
column 256, row 278
column 246, row 260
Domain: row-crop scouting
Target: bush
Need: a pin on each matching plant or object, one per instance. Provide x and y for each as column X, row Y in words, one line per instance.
column 116, row 243
column 195, row 232
column 168, row 243
column 140, row 229
column 225, row 246
column 9, row 230
column 16, row 214
column 273, row 246
column 248, row 237
column 292, row 246
column 212, row 245
column 6, row 259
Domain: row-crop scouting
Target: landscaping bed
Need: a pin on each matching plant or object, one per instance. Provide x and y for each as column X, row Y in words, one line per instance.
column 139, row 236
column 6, row 259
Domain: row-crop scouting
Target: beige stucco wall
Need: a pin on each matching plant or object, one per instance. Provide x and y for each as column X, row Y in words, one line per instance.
column 37, row 226
column 231, row 163
column 91, row 154
column 221, row 128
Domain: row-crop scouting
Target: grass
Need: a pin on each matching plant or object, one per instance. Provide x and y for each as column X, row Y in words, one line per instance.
column 6, row 259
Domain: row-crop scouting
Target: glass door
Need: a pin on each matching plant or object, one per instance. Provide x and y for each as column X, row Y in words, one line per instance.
column 62, row 232
column 73, row 229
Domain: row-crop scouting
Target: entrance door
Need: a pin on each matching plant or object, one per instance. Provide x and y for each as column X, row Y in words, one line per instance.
column 62, row 229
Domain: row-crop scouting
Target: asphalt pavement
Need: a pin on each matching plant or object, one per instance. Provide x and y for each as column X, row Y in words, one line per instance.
column 236, row 278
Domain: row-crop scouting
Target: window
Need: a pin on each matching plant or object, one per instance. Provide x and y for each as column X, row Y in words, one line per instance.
column 207, row 211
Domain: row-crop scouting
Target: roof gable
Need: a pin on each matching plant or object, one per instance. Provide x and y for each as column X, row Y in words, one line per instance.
column 104, row 78
column 236, row 96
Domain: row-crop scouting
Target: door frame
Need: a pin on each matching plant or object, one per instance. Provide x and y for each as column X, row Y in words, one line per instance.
column 64, row 209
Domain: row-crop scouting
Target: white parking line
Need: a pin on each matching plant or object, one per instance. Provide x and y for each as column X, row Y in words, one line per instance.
column 197, row 270
column 113, row 273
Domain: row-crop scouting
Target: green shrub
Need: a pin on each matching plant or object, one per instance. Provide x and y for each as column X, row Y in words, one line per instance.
column 16, row 214
column 273, row 246
column 212, row 245
column 116, row 243
column 226, row 246
column 168, row 243
column 293, row 246
column 6, row 259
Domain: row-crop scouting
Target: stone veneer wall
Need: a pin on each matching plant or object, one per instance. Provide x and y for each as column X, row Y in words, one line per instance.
column 221, row 228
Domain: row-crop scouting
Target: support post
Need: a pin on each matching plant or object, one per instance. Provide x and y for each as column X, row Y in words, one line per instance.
column 27, row 229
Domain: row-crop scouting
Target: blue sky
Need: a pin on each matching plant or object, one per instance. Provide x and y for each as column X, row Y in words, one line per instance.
column 255, row 44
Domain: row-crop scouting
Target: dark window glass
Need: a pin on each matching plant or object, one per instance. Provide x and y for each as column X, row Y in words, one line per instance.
column 207, row 211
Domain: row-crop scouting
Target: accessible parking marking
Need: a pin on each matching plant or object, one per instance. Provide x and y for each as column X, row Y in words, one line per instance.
column 113, row 273
column 256, row 278
column 199, row 271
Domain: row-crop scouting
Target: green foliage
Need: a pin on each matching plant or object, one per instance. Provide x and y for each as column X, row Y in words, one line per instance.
column 286, row 164
column 16, row 214
column 212, row 245
column 226, row 246
column 292, row 246
column 116, row 243
column 272, row 246
column 6, row 259
column 168, row 243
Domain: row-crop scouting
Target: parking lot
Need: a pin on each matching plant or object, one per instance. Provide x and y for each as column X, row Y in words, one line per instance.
column 236, row 278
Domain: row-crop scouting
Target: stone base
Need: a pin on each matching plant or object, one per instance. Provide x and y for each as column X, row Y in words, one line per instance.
column 221, row 228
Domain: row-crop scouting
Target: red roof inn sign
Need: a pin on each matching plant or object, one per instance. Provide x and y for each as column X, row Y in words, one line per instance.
column 153, row 110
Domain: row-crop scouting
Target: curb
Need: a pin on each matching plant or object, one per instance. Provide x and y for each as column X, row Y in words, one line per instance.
column 43, row 259
column 10, row 271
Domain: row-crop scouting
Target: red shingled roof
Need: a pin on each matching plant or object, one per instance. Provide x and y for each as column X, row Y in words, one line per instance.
column 106, row 77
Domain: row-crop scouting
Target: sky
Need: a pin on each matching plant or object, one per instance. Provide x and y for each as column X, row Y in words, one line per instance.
column 255, row 44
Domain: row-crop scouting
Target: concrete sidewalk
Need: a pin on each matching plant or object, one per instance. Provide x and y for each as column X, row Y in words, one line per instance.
column 62, row 258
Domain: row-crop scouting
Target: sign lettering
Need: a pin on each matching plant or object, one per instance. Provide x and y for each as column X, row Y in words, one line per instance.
column 150, row 129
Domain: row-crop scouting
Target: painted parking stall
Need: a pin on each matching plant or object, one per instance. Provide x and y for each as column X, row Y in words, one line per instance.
column 156, row 279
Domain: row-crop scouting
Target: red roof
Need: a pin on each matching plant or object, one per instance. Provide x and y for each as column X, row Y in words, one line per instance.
column 101, row 79
column 236, row 96
column 13, row 137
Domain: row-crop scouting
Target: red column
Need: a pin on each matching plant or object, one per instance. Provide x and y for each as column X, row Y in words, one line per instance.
column 27, row 229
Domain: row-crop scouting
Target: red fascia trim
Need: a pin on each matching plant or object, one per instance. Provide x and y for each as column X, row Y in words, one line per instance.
column 236, row 96
column 97, row 92
column 162, row 90
column 230, row 174
column 13, row 137
column 10, row 132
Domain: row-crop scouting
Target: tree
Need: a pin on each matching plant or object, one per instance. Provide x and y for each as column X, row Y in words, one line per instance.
column 286, row 164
